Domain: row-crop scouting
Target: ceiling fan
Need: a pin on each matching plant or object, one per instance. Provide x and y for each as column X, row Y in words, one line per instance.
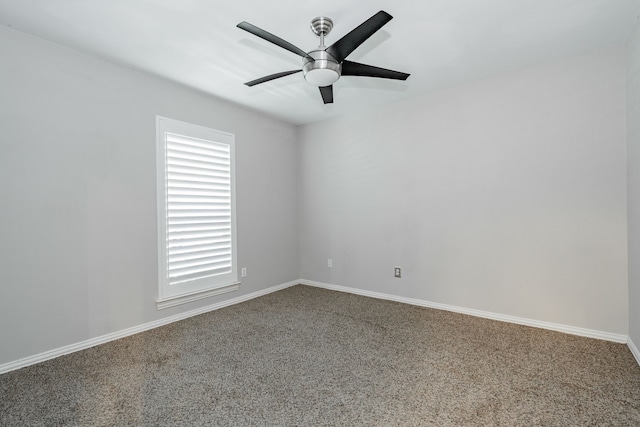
column 323, row 66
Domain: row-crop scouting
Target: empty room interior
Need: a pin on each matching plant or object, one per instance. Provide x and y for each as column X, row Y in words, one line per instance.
column 423, row 213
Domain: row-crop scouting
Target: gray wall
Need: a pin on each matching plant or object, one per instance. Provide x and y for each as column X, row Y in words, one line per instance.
column 78, row 194
column 505, row 195
column 633, row 181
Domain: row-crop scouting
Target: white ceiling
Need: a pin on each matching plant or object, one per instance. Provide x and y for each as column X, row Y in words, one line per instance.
column 439, row 42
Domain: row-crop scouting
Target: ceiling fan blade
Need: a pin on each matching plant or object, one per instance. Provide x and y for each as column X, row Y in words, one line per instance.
column 271, row 77
column 356, row 69
column 327, row 94
column 273, row 39
column 347, row 44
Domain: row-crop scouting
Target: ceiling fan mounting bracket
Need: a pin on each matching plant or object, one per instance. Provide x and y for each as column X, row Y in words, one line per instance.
column 321, row 26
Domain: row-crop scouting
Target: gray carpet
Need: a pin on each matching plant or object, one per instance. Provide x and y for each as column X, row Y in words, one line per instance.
column 305, row 356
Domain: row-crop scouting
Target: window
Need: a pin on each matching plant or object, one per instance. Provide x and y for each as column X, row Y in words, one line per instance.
column 196, row 212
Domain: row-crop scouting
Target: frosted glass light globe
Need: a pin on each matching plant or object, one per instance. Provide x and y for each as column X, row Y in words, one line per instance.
column 322, row 77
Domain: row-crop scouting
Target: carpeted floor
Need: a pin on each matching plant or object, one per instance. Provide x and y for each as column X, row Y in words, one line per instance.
column 306, row 356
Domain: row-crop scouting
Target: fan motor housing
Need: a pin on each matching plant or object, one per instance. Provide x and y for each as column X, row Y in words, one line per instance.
column 324, row 70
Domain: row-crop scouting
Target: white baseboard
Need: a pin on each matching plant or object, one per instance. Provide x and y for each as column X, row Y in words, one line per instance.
column 634, row 350
column 590, row 333
column 21, row 363
column 52, row 354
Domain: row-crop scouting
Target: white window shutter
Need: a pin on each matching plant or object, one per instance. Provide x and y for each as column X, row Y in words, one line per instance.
column 196, row 215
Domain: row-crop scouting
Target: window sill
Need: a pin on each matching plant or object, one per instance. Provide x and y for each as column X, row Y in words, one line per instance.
column 185, row 298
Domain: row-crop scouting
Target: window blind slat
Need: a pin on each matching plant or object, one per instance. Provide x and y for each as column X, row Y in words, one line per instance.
column 200, row 210
column 213, row 218
column 216, row 221
column 195, row 248
column 196, row 220
column 195, row 207
column 177, row 245
column 203, row 163
column 199, row 174
column 198, row 198
column 176, row 217
column 220, row 182
column 198, row 161
column 182, row 238
column 198, row 192
column 199, row 233
column 192, row 226
column 182, row 185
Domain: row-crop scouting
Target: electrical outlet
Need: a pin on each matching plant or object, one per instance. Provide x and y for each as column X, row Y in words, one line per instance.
column 397, row 272
column 243, row 272
column 329, row 263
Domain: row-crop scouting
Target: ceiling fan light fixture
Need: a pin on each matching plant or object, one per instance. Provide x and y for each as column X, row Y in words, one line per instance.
column 323, row 70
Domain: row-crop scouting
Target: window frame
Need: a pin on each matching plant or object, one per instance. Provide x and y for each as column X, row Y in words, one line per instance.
column 170, row 295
